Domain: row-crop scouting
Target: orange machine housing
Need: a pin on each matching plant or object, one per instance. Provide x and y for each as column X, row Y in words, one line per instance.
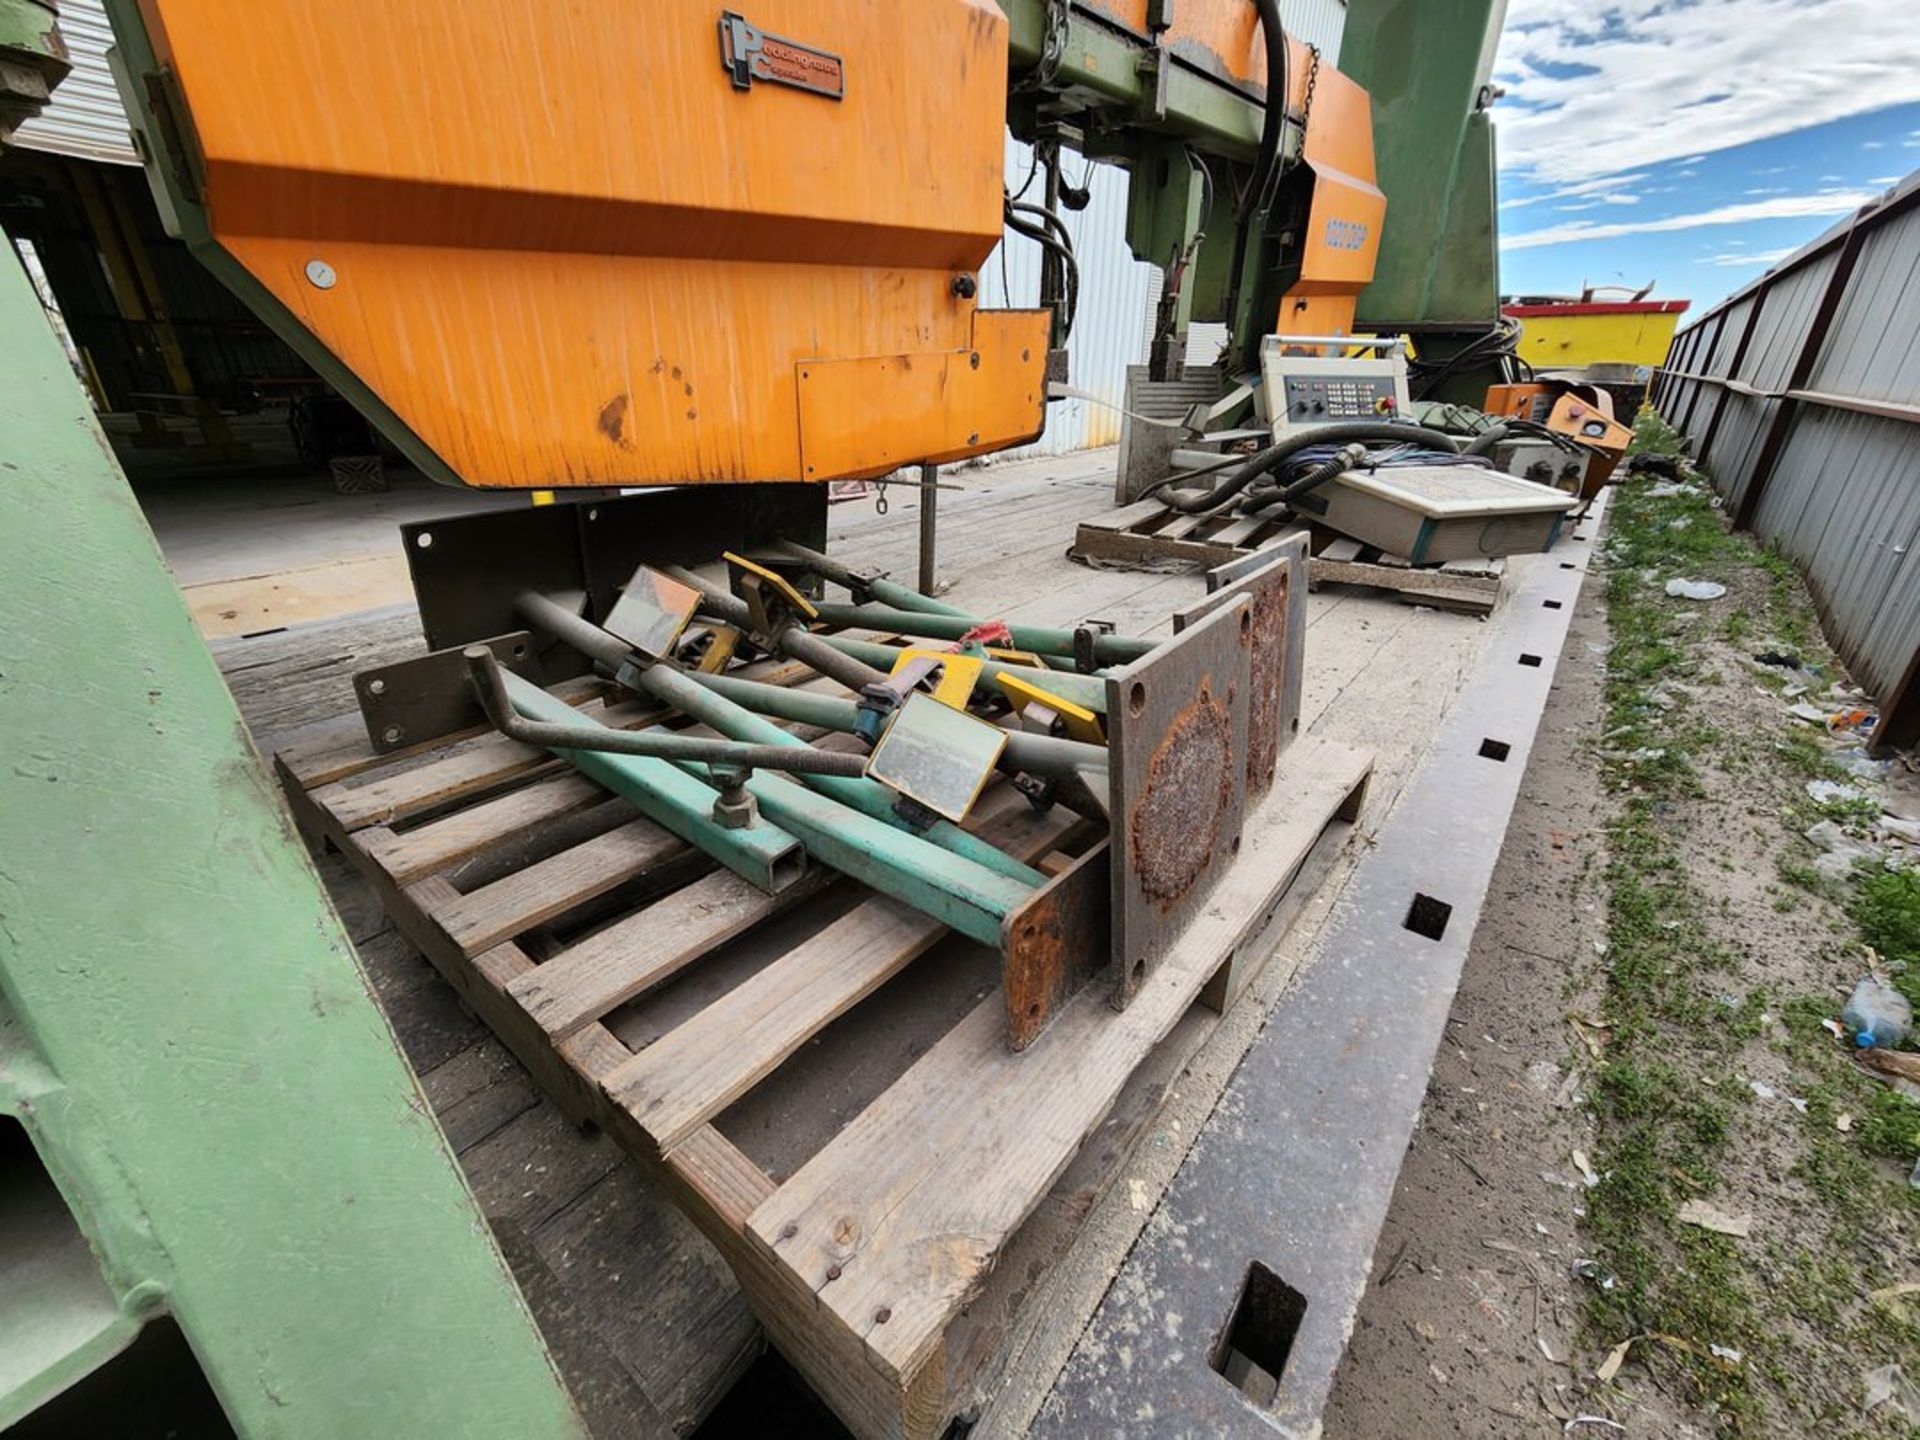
column 568, row 245
column 1583, row 413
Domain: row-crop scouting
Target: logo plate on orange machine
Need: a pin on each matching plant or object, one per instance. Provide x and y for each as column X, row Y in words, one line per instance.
column 750, row 53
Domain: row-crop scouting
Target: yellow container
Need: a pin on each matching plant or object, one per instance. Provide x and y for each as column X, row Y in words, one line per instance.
column 1573, row 334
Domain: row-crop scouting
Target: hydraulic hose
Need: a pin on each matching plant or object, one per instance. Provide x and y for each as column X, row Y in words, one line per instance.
column 1273, row 125
column 1190, row 502
column 1484, row 442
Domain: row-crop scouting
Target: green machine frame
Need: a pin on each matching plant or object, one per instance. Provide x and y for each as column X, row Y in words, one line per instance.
column 222, row 1129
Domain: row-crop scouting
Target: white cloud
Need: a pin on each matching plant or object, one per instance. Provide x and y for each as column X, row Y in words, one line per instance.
column 1873, row 144
column 1659, row 82
column 1886, row 179
column 1755, row 259
column 1830, row 202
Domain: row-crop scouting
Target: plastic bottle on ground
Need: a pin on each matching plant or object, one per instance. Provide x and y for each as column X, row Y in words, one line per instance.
column 1877, row 1014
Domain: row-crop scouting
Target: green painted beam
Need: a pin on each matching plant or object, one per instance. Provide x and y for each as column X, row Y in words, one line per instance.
column 1425, row 62
column 184, row 1028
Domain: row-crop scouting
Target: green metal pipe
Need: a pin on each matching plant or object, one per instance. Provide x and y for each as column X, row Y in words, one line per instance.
column 794, row 642
column 1089, row 692
column 765, row 855
column 886, row 591
column 1107, row 649
column 677, row 689
column 869, row 797
column 953, row 889
column 1037, row 754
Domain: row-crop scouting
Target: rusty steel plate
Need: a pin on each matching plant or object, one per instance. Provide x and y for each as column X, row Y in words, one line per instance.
column 1177, row 725
column 1278, row 590
column 1054, row 943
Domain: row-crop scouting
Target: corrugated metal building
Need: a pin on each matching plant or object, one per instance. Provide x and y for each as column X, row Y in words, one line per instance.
column 1801, row 393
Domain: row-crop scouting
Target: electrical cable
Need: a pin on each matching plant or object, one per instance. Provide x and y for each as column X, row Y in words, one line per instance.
column 1208, row 502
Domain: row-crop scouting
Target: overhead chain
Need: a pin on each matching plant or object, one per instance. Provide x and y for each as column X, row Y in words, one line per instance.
column 1053, row 47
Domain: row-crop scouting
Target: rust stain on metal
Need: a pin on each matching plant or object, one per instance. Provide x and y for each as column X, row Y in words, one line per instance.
column 1053, row 944
column 1269, row 670
column 612, row 421
column 1175, row 826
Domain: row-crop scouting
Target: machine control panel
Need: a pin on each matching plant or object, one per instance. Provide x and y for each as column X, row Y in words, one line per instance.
column 1316, row 389
column 1321, row 397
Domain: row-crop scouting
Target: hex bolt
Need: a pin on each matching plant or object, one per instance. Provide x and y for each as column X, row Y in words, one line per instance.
column 963, row 286
column 734, row 808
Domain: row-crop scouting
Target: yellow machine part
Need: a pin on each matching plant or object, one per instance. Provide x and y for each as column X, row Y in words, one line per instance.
column 565, row 247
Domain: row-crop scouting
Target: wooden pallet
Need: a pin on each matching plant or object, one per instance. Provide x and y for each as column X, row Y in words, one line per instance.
column 1150, row 532
column 662, row 998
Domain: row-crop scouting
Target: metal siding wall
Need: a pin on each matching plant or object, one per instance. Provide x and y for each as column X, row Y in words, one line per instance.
column 1318, row 22
column 1843, row 497
column 1108, row 334
column 85, row 118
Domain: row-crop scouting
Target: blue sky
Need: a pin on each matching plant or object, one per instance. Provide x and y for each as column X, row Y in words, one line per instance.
column 1693, row 142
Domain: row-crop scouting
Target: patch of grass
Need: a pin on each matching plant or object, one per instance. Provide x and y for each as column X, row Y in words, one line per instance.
column 1886, row 907
column 1670, row 1099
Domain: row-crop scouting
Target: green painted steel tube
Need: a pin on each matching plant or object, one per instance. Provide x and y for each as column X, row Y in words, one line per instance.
column 1037, row 754
column 1087, row 691
column 951, row 888
column 869, row 797
column 765, row 855
column 887, row 592
column 1045, row 639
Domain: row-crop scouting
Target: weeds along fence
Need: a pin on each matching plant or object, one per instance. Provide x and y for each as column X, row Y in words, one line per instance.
column 1801, row 396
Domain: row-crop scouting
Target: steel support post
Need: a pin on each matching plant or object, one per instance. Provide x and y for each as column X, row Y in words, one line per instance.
column 929, row 526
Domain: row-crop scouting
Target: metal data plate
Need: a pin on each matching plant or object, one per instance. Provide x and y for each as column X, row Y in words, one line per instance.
column 1177, row 723
column 651, row 612
column 430, row 696
column 936, row 755
column 1278, row 590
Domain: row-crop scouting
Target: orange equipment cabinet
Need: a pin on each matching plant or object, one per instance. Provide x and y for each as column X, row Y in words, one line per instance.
column 609, row 243
column 1580, row 412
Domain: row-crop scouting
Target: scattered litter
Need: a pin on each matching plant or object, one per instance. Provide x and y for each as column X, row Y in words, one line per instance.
column 1695, row 589
column 1812, row 714
column 1712, row 1217
column 1834, row 1027
column 1585, row 1167
column 1889, row 1385
column 1610, row 1366
column 1842, row 850
column 1667, row 489
column 1902, row 1063
column 1567, row 1429
column 1853, row 720
column 1646, row 753
column 1546, row 1350
column 1908, row 830
column 1877, row 1015
column 1797, row 1103
column 1599, row 947
column 1857, row 762
column 1726, row 1352
column 1596, row 1272
column 1828, row 792
column 1682, row 523
column 1762, row 1089
column 1779, row 659
column 1843, row 1122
